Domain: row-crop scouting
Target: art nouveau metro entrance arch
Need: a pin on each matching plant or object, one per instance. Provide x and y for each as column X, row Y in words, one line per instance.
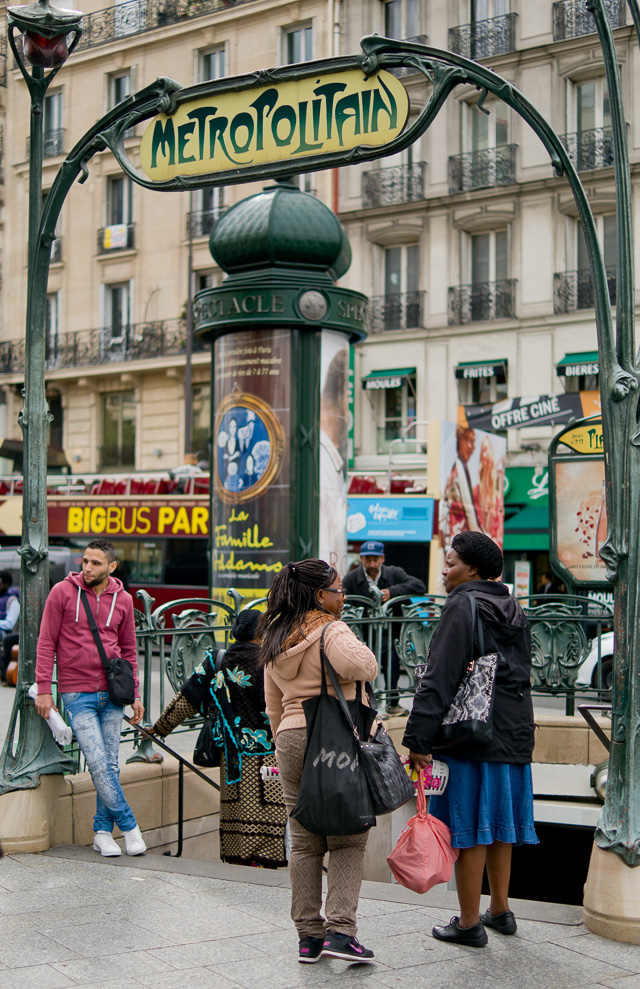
column 303, row 118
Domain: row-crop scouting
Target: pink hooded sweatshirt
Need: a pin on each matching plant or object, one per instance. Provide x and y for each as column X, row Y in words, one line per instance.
column 65, row 634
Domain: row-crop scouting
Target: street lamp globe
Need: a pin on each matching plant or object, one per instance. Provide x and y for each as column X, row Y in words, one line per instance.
column 45, row 32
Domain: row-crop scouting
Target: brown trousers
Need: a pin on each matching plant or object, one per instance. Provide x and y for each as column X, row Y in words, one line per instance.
column 346, row 854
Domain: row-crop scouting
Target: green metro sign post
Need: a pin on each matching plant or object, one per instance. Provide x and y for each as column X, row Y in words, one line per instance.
column 303, row 118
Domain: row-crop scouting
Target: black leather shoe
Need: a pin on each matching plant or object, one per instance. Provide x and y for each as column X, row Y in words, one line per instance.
column 503, row 923
column 473, row 937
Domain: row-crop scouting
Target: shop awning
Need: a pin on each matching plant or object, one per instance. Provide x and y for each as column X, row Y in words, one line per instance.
column 472, row 370
column 579, row 363
column 390, row 378
column 528, row 529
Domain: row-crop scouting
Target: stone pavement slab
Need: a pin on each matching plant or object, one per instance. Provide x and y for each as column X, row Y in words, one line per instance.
column 70, row 919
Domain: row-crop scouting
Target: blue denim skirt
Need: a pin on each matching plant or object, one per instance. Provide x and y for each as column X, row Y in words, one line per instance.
column 486, row 802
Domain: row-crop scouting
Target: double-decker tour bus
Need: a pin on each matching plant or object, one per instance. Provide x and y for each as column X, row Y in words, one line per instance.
column 158, row 525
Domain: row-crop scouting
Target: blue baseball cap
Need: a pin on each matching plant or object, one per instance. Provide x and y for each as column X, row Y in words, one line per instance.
column 372, row 548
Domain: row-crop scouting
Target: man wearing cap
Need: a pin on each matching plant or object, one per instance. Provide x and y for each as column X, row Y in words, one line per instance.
column 393, row 582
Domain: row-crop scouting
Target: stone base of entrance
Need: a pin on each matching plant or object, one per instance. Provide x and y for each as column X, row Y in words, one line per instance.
column 612, row 898
column 60, row 811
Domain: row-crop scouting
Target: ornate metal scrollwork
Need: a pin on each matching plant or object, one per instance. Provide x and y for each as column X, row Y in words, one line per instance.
column 412, row 645
column 189, row 649
column 558, row 644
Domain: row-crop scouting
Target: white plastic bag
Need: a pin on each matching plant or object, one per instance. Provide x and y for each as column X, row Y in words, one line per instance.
column 59, row 729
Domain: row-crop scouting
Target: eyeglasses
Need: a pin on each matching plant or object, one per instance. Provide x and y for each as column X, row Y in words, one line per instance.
column 336, row 590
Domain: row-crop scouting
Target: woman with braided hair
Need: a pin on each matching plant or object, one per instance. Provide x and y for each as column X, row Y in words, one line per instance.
column 305, row 597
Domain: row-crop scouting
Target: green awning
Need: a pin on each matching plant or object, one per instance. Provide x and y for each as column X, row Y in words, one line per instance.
column 528, row 529
column 389, row 378
column 578, row 363
column 472, row 370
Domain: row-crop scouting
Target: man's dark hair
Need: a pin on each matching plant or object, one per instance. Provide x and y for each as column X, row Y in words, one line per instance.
column 105, row 546
column 479, row 551
column 6, row 577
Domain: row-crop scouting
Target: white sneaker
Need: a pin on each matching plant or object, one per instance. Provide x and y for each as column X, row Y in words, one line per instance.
column 103, row 842
column 134, row 842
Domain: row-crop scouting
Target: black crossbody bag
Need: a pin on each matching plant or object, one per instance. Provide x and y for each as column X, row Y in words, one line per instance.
column 120, row 682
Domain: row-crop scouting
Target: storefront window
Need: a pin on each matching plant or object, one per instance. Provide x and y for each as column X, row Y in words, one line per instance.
column 201, row 421
column 397, row 411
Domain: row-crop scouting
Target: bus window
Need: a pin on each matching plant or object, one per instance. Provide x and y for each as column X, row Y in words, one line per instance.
column 186, row 562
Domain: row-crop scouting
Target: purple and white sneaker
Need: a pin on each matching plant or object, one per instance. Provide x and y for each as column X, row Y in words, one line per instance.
column 345, row 947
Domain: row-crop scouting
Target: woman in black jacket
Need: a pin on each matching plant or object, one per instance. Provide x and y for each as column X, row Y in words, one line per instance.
column 488, row 803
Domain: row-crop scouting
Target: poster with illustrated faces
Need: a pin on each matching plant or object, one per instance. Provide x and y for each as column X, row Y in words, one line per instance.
column 334, row 411
column 250, row 463
column 472, row 470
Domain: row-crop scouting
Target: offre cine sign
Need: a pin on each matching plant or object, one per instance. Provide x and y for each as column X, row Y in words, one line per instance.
column 296, row 119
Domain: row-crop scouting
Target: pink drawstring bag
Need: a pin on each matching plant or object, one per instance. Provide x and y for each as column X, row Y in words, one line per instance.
column 423, row 856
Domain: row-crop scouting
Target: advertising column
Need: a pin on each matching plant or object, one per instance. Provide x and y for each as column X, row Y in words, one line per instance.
column 251, row 462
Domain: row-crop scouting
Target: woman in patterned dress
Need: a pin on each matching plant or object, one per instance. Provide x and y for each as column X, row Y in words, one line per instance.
column 252, row 814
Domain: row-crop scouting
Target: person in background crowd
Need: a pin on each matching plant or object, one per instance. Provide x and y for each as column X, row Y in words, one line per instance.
column 550, row 584
column 393, row 582
column 66, row 638
column 252, row 814
column 304, row 599
column 9, row 615
column 488, row 803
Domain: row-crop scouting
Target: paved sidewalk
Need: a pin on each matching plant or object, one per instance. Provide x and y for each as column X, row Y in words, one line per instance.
column 69, row 918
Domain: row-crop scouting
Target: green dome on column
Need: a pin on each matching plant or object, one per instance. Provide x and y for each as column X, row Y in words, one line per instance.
column 281, row 227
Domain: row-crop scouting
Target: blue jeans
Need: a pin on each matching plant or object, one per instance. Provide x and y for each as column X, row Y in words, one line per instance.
column 97, row 724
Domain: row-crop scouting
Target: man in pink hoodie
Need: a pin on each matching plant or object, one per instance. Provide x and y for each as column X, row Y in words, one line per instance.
column 65, row 636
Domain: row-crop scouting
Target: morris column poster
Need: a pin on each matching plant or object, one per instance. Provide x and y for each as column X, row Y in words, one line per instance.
column 334, row 431
column 250, row 460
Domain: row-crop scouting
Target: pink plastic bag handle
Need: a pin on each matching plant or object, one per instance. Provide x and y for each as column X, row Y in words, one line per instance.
column 421, row 800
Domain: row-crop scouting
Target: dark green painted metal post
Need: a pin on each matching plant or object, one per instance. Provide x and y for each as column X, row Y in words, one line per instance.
column 305, row 408
column 29, row 749
column 34, row 752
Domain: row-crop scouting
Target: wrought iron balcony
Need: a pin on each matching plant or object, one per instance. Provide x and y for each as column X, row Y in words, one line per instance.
column 200, row 223
column 138, row 341
column 571, row 19
column 481, row 301
column 117, row 237
column 402, row 311
column 482, row 169
column 409, row 70
column 138, row 16
column 484, row 39
column 56, row 250
column 399, row 184
column 590, row 148
column 574, row 290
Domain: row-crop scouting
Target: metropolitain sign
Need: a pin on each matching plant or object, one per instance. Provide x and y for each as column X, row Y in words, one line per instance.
column 288, row 121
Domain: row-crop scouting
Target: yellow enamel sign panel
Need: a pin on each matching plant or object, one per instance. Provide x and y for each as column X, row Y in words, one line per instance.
column 584, row 439
column 293, row 120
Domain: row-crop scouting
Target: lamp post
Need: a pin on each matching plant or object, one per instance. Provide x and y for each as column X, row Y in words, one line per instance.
column 48, row 35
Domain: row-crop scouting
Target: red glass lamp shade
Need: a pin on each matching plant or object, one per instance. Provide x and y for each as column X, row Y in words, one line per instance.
column 47, row 52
